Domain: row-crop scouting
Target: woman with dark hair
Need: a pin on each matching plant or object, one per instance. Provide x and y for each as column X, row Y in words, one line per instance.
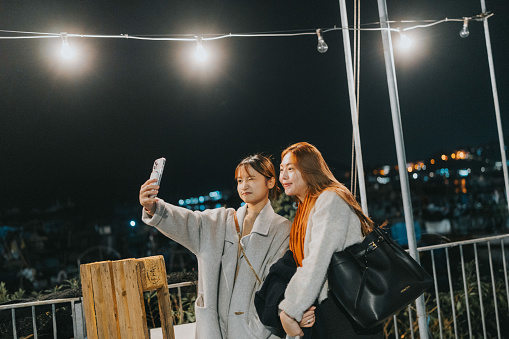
column 328, row 219
column 235, row 249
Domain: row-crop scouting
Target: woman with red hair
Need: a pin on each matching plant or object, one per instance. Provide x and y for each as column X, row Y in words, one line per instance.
column 328, row 220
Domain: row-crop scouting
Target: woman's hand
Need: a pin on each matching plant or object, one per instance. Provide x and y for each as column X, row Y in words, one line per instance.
column 148, row 193
column 290, row 325
column 308, row 318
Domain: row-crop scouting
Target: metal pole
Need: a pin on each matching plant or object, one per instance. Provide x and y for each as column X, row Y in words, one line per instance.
column 353, row 104
column 400, row 151
column 495, row 101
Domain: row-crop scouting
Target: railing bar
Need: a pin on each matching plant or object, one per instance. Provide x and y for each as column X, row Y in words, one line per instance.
column 83, row 321
column 395, row 319
column 73, row 314
column 37, row 303
column 480, row 290
column 34, row 322
column 54, row 321
column 182, row 284
column 181, row 312
column 436, row 293
column 466, row 291
column 494, row 289
column 411, row 322
column 464, row 242
column 505, row 272
column 14, row 333
column 451, row 292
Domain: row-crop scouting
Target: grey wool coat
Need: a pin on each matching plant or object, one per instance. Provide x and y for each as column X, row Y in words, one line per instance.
column 332, row 226
column 224, row 306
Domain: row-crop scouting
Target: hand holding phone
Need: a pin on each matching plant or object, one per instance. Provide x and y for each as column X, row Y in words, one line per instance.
column 157, row 171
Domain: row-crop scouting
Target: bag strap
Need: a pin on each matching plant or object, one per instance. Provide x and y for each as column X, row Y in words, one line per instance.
column 370, row 248
column 242, row 247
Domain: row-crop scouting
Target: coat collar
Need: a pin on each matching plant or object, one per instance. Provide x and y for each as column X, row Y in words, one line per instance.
column 262, row 222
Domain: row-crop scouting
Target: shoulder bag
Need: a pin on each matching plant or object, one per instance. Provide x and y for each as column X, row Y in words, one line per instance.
column 376, row 278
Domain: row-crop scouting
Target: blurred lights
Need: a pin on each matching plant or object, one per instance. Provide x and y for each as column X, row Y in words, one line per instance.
column 132, row 223
column 463, row 172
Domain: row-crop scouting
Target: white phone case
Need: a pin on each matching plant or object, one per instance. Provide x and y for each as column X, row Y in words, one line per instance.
column 157, row 170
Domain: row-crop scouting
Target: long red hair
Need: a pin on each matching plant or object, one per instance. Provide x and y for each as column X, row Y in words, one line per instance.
column 315, row 172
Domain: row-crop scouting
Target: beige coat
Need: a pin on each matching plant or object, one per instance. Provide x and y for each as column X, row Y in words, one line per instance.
column 332, row 226
column 224, row 309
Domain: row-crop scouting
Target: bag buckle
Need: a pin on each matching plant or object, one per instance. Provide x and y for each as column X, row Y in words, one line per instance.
column 373, row 245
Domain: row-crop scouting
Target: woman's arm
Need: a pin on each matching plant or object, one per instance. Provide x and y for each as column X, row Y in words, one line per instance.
column 180, row 224
column 334, row 225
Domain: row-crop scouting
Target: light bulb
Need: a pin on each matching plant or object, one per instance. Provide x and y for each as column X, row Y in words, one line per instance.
column 201, row 53
column 322, row 46
column 405, row 42
column 66, row 51
column 464, row 33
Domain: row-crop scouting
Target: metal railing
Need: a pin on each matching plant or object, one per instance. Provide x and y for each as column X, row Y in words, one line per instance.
column 78, row 320
column 470, row 280
column 76, row 311
column 465, row 273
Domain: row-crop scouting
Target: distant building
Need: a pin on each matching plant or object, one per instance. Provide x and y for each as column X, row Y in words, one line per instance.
column 212, row 200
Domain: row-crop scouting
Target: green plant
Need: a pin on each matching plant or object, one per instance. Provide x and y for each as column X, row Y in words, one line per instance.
column 5, row 296
column 152, row 308
column 284, row 206
column 72, row 283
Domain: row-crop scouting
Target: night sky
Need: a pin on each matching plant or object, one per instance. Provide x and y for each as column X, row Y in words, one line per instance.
column 90, row 131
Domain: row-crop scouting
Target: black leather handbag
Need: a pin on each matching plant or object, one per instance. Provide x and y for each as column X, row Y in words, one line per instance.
column 375, row 279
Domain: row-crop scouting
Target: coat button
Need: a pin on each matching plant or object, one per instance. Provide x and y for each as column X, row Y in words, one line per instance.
column 239, row 313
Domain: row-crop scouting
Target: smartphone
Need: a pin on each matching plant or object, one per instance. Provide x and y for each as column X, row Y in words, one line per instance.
column 157, row 171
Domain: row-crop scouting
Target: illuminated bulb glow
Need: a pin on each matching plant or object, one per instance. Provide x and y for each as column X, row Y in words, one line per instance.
column 66, row 51
column 201, row 53
column 322, row 46
column 405, row 41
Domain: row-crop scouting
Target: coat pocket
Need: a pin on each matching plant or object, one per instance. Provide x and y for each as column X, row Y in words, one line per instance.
column 255, row 326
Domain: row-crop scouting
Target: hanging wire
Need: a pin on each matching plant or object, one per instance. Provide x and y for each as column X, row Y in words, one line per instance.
column 206, row 37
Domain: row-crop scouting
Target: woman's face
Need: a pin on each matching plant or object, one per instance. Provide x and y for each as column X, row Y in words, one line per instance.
column 253, row 187
column 291, row 178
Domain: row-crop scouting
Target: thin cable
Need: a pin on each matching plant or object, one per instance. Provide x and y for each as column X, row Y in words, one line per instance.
column 190, row 37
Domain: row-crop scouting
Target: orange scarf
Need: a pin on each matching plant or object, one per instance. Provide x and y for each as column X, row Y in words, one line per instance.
column 299, row 226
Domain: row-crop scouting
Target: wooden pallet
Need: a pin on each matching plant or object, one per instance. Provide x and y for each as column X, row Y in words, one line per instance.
column 113, row 297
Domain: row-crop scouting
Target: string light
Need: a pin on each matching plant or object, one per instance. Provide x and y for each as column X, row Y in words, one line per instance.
column 66, row 51
column 405, row 42
column 322, row 46
column 464, row 33
column 201, row 53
